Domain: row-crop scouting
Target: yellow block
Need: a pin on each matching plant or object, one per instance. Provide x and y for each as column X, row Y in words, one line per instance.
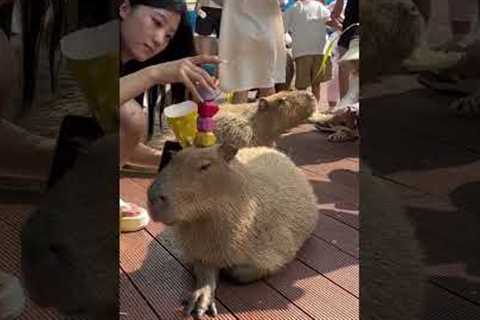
column 205, row 139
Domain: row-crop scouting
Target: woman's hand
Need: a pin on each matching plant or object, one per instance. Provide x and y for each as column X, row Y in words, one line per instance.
column 186, row 71
column 189, row 72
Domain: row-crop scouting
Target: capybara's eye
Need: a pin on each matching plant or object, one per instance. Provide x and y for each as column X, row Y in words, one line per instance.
column 205, row 166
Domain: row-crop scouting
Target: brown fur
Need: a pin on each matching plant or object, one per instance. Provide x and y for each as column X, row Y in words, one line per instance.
column 255, row 210
column 261, row 123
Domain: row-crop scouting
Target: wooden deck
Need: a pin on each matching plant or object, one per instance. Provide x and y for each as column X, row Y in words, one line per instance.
column 322, row 283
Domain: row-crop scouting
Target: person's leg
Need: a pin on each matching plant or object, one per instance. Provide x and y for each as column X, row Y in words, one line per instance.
column 318, row 78
column 316, row 81
column 18, row 146
column 132, row 129
column 132, row 135
column 205, row 27
column 289, row 74
column 302, row 72
column 146, row 156
column 332, row 85
column 316, row 90
column 343, row 74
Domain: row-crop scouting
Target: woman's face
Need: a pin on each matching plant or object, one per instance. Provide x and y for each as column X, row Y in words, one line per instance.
column 146, row 31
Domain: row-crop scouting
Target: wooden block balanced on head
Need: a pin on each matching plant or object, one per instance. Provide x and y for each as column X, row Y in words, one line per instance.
column 206, row 111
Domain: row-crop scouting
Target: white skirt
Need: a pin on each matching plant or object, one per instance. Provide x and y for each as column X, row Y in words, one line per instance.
column 252, row 41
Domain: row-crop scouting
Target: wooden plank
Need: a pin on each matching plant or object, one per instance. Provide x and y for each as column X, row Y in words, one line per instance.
column 158, row 275
column 132, row 304
column 262, row 300
column 338, row 235
column 342, row 211
column 10, row 263
column 335, row 265
column 343, row 172
column 15, row 215
column 315, row 294
column 442, row 305
column 443, row 181
column 450, row 245
column 306, row 147
column 255, row 301
column 135, row 192
column 258, row 301
column 331, row 191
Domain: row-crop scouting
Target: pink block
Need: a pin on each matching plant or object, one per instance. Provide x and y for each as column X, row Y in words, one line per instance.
column 207, row 109
column 205, row 124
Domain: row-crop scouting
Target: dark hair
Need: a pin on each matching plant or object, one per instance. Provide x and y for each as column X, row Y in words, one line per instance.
column 33, row 18
column 34, row 13
column 181, row 46
column 174, row 5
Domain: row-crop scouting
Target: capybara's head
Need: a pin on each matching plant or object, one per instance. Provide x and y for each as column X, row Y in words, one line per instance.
column 285, row 110
column 194, row 180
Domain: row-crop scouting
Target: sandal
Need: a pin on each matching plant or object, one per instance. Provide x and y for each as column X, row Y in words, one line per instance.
column 343, row 134
column 467, row 106
column 132, row 217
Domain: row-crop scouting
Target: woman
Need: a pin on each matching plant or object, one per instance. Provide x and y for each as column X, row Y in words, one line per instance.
column 252, row 41
column 148, row 28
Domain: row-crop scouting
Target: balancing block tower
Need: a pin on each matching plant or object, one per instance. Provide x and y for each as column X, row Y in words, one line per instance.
column 206, row 110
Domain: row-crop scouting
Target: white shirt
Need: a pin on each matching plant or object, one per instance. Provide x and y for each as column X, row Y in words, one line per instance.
column 305, row 22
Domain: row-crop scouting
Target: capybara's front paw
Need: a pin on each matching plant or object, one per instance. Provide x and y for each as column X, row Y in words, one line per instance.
column 201, row 302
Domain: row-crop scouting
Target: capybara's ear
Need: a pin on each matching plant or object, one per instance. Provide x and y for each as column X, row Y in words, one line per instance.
column 263, row 104
column 227, row 151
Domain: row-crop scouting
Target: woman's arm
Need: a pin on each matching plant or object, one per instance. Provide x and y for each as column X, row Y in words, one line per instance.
column 185, row 70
